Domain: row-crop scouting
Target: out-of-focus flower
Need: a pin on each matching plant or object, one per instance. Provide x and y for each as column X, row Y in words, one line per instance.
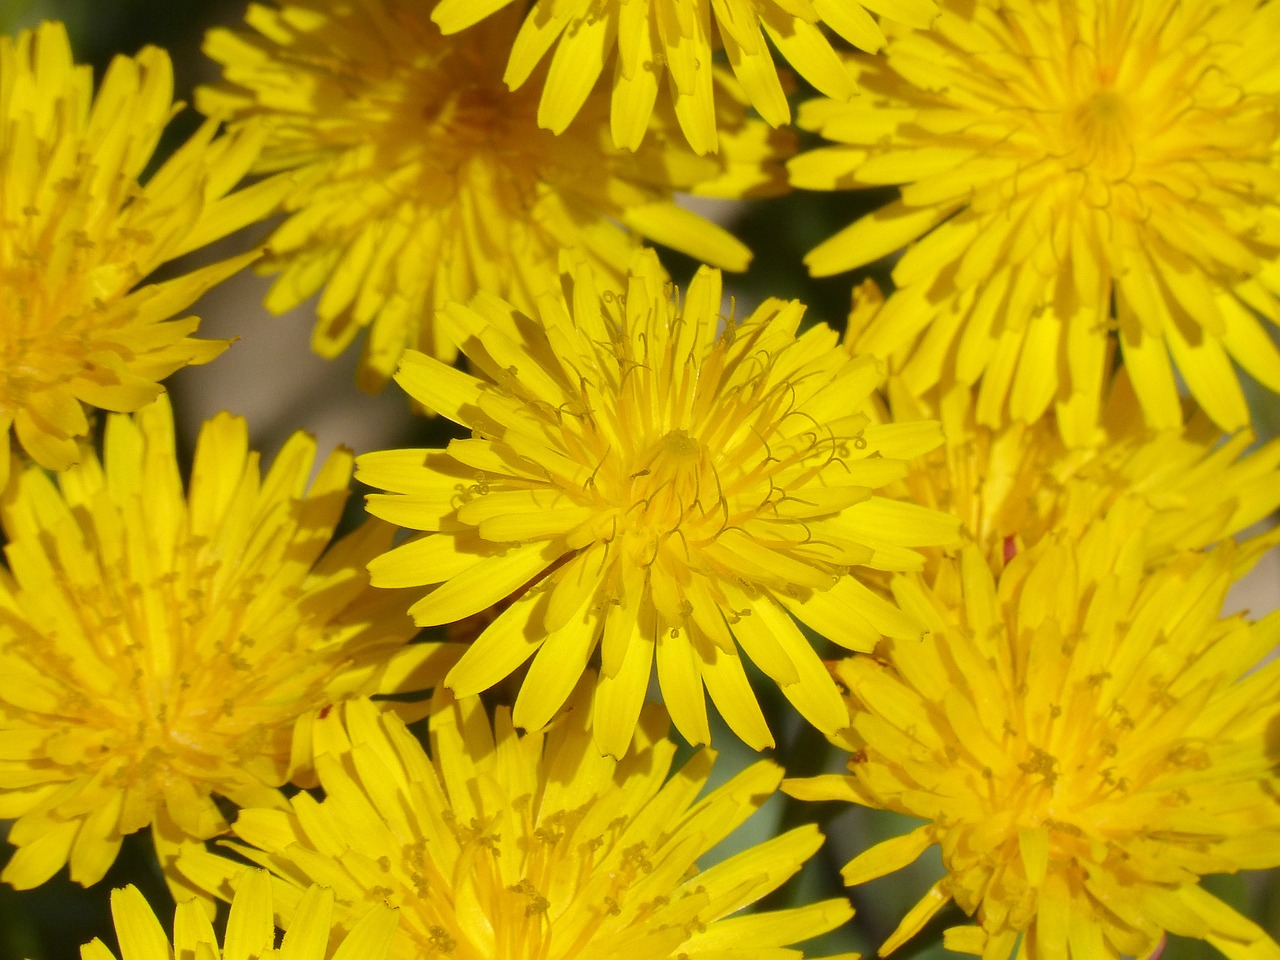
column 1084, row 739
column 1013, row 484
column 653, row 478
column 158, row 649
column 251, row 930
column 80, row 232
column 1074, row 174
column 528, row 847
column 675, row 40
column 420, row 179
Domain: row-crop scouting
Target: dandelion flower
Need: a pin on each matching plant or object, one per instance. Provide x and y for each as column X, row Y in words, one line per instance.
column 80, row 233
column 1084, row 740
column 250, row 929
column 420, row 179
column 674, row 39
column 1013, row 483
column 157, row 649
column 528, row 847
column 650, row 477
column 1071, row 172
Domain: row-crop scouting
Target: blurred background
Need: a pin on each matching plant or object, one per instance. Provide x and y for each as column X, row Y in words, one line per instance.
column 270, row 377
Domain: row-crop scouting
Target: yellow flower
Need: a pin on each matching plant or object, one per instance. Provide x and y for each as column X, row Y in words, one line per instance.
column 529, row 847
column 251, row 929
column 1014, row 483
column 659, row 480
column 673, row 40
column 1083, row 739
column 157, row 649
column 1073, row 172
column 420, row 179
column 79, row 233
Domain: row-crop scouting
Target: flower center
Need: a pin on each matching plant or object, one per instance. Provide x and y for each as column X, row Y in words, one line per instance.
column 676, row 492
column 516, row 891
column 175, row 679
column 57, row 304
column 1101, row 133
column 470, row 118
column 450, row 123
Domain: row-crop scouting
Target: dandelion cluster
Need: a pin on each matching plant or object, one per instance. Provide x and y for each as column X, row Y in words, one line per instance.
column 971, row 571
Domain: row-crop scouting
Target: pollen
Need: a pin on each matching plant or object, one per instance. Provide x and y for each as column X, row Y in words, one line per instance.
column 680, row 446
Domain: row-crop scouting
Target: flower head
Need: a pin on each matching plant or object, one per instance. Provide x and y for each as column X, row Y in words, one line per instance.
column 651, row 477
column 1014, row 485
column 674, row 40
column 420, row 179
column 1084, row 740
column 251, row 929
column 157, row 648
column 1072, row 172
column 529, row 847
column 80, row 232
